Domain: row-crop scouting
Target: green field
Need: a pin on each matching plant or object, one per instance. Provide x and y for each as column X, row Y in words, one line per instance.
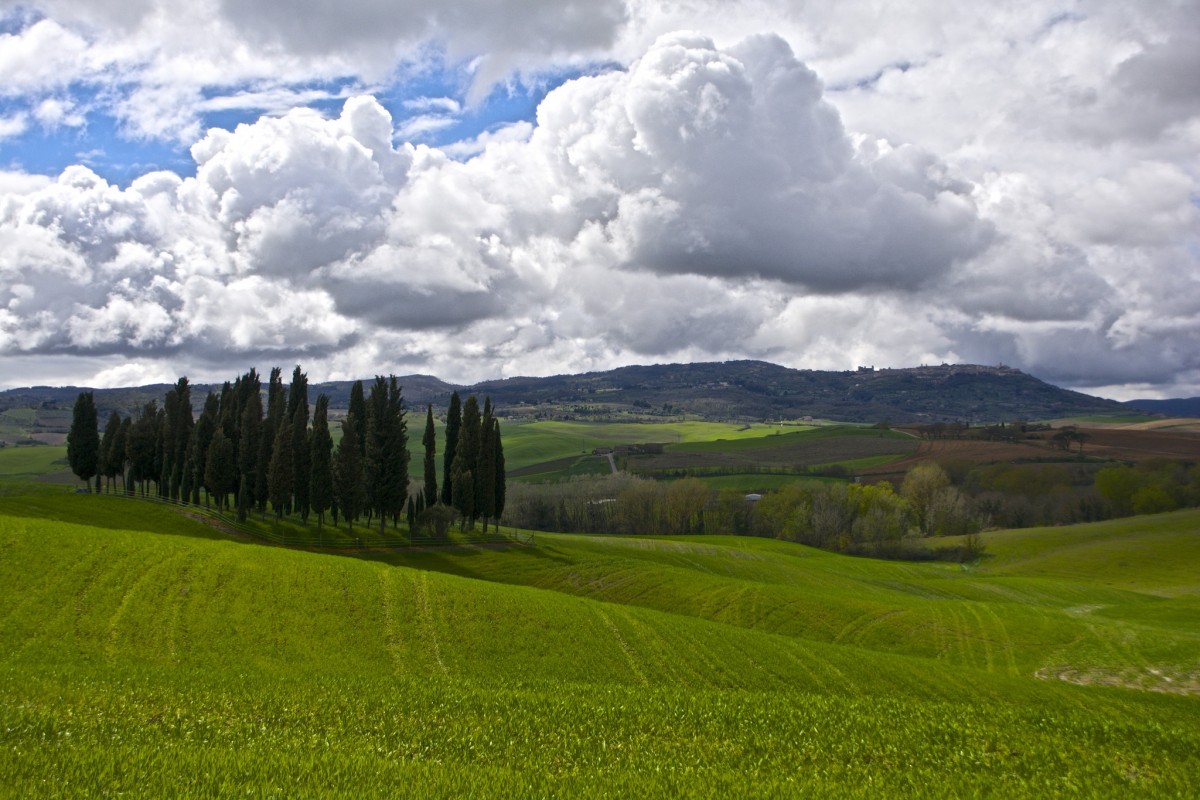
column 143, row 654
column 537, row 442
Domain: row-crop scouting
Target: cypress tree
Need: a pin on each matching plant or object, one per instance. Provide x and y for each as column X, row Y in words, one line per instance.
column 485, row 473
column 276, row 405
column 386, row 464
column 121, row 452
column 297, row 417
column 156, row 470
column 250, row 445
column 297, row 393
column 202, row 436
column 453, row 423
column 464, row 491
column 358, row 410
column 83, row 440
column 111, row 460
column 348, row 478
column 228, row 415
column 301, row 461
column 467, row 457
column 430, row 441
column 500, row 485
column 166, row 444
column 220, row 468
column 140, row 446
column 177, row 431
column 320, row 494
column 279, row 481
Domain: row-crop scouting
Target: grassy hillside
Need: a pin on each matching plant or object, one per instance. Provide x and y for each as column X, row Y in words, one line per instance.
column 143, row 655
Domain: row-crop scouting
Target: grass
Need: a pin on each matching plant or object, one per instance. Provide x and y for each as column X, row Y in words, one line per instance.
column 31, row 462
column 143, row 655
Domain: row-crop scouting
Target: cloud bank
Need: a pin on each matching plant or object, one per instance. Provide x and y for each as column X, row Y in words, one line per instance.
column 706, row 200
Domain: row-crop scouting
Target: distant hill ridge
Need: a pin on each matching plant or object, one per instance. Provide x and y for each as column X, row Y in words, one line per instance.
column 731, row 390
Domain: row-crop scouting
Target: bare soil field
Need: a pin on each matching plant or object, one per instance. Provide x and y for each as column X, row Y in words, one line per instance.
column 1136, row 444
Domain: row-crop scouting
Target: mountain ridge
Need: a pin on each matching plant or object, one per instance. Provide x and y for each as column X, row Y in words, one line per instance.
column 731, row 390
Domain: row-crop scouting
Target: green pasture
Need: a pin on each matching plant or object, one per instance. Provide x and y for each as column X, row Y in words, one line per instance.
column 144, row 654
column 536, row 442
column 26, row 463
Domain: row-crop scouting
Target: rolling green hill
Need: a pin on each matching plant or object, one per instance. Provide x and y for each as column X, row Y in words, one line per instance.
column 143, row 654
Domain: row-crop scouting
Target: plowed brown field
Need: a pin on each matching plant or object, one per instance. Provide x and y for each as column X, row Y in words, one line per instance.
column 1118, row 444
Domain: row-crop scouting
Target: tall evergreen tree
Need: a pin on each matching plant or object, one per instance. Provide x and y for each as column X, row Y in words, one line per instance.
column 464, row 490
column 250, row 446
column 358, row 409
column 430, row 442
column 297, row 419
column 177, row 430
column 279, row 486
column 276, row 407
column 297, row 393
column 467, row 457
column 386, row 463
column 156, row 469
column 228, row 416
column 121, row 453
column 220, row 468
column 202, row 436
column 501, row 487
column 348, row 476
column 485, row 472
column 141, row 446
column 301, row 462
column 83, row 440
column 166, row 443
column 320, row 495
column 453, row 424
column 111, row 461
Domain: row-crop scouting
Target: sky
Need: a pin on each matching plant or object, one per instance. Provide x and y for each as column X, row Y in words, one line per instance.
column 479, row 189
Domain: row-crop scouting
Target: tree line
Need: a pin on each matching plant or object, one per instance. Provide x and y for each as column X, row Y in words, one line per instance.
column 250, row 449
column 932, row 500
